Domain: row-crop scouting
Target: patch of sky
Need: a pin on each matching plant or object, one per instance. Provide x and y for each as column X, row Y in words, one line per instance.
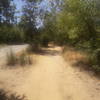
column 44, row 5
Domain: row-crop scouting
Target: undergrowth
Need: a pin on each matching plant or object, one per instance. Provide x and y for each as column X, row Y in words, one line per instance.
column 86, row 60
column 23, row 59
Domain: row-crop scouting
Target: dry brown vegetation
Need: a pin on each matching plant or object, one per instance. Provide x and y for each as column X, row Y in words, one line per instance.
column 76, row 58
column 22, row 58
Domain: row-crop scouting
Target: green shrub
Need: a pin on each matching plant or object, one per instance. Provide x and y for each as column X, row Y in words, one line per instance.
column 95, row 60
column 11, row 34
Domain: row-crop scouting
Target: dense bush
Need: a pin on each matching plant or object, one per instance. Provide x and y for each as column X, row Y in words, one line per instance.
column 95, row 60
column 11, row 34
column 77, row 23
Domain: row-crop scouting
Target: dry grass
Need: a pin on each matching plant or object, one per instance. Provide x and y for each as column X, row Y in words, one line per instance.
column 82, row 60
column 76, row 58
column 73, row 55
column 21, row 58
column 11, row 58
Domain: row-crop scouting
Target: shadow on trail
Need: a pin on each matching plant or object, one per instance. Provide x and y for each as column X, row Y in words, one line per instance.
column 4, row 96
column 51, row 51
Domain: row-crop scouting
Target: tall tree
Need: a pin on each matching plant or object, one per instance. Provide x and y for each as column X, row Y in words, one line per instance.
column 49, row 18
column 77, row 21
column 29, row 17
column 7, row 11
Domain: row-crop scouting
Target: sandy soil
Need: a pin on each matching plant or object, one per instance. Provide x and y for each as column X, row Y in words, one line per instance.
column 51, row 78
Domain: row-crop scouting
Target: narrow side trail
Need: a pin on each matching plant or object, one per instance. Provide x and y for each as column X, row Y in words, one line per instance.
column 51, row 78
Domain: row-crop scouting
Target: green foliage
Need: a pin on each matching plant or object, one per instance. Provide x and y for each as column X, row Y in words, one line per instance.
column 77, row 20
column 28, row 20
column 95, row 60
column 76, row 25
column 9, row 31
column 73, row 22
column 7, row 11
column 11, row 34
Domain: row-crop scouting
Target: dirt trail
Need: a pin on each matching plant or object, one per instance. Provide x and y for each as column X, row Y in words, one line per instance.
column 53, row 79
